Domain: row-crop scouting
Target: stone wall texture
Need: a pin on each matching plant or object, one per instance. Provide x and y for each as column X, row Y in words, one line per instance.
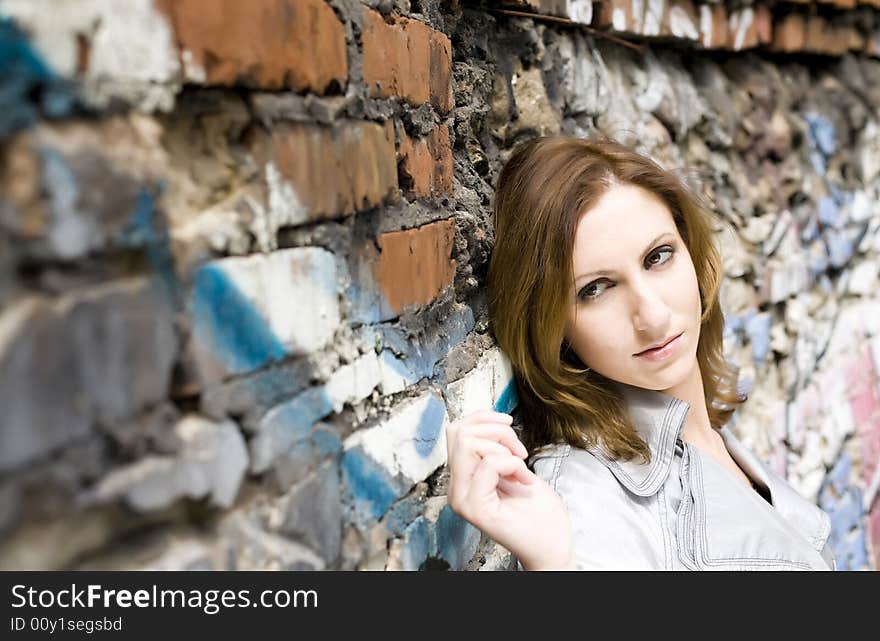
column 243, row 248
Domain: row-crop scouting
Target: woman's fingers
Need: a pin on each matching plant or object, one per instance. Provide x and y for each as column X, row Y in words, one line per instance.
column 489, row 471
column 471, row 451
column 466, row 422
column 504, row 434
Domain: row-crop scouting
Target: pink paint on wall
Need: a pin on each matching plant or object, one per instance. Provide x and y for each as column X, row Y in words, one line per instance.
column 864, row 398
column 874, row 533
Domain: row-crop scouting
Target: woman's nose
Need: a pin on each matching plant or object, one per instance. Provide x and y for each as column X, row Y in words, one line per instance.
column 650, row 313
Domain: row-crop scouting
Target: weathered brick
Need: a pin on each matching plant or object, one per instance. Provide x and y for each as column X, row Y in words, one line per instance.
column 764, row 24
column 743, row 31
column 656, row 12
column 313, row 512
column 681, row 21
column 245, row 545
column 855, row 41
column 713, row 26
column 408, row 59
column 95, row 357
column 620, row 15
column 789, row 33
column 818, row 35
column 872, row 45
column 333, row 170
column 292, row 422
column 486, row 386
column 381, row 463
column 249, row 311
column 116, row 57
column 266, row 44
column 580, row 11
column 211, row 463
column 410, row 267
column 427, row 162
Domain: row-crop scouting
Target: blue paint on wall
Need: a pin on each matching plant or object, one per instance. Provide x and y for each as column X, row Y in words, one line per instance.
column 371, row 487
column 829, row 213
column 417, row 544
column 810, row 230
column 292, row 421
column 457, row 540
column 758, row 329
column 843, row 503
column 421, row 353
column 28, row 87
column 428, row 429
column 403, row 513
column 147, row 229
column 821, row 133
column 229, row 324
column 508, row 399
column 840, row 247
column 397, row 366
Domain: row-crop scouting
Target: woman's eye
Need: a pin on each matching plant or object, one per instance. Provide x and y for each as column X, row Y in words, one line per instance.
column 658, row 252
column 588, row 292
column 591, row 291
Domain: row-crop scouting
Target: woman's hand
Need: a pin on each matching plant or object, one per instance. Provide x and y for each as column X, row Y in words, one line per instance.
column 491, row 487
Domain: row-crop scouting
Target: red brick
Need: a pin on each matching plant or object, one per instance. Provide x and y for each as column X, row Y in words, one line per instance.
column 818, row 35
column 334, row 170
column 265, row 44
column 872, row 45
column 415, row 265
column 408, row 59
column 617, row 15
column 789, row 34
column 855, row 40
column 427, row 163
column 764, row 24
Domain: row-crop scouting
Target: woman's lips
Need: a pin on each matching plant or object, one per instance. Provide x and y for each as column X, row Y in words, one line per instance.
column 660, row 353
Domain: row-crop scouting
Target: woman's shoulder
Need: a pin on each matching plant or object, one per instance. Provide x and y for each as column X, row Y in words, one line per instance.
column 563, row 465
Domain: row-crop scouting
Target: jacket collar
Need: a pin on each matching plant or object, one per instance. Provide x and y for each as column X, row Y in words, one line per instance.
column 659, row 419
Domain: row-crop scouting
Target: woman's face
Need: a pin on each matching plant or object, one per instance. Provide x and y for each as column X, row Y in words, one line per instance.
column 634, row 287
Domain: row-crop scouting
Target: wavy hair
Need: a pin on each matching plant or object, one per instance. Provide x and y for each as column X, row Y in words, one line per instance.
column 543, row 188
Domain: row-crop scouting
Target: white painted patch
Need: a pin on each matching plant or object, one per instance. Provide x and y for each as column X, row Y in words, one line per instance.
column 395, row 376
column 580, row 11
column 681, row 25
column 618, row 19
column 638, row 14
column 481, row 387
column 742, row 21
column 354, row 382
column 284, row 208
column 653, row 17
column 706, row 24
column 132, row 54
column 212, row 462
column 391, row 444
column 295, row 291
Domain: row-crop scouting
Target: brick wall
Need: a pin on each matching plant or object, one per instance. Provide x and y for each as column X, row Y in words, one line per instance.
column 243, row 247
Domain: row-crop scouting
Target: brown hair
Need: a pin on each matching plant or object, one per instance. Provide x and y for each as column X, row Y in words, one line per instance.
column 544, row 187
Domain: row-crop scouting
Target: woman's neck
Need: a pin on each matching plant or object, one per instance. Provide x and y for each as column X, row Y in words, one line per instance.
column 697, row 426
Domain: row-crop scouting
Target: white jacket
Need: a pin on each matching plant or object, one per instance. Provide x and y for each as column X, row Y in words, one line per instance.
column 684, row 510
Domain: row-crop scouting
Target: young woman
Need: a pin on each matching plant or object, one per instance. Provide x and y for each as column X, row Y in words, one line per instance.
column 604, row 294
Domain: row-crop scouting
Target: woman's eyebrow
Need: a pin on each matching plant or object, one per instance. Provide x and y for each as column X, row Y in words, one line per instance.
column 608, row 272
